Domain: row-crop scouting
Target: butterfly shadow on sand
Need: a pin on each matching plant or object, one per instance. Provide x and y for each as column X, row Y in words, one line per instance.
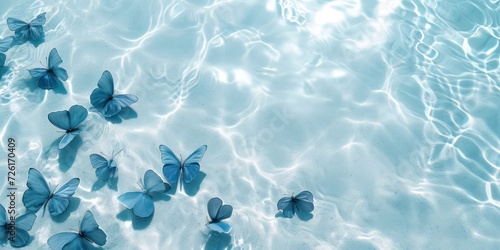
column 218, row 241
column 68, row 154
column 111, row 183
column 126, row 113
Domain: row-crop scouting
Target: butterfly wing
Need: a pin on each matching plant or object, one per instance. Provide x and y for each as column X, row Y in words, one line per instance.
column 125, row 100
column 213, row 206
column 153, row 183
column 304, row 202
column 102, row 96
column 54, row 62
column 35, row 27
column 91, row 230
column 106, row 83
column 59, row 201
column 77, row 114
column 60, row 119
column 111, row 108
column 140, row 203
column 217, row 211
column 220, row 227
column 101, row 165
column 38, row 191
column 65, row 240
column 15, row 24
column 286, row 204
column 172, row 165
column 24, row 223
column 67, row 138
column 47, row 81
column 38, row 72
column 39, row 20
column 191, row 167
column 5, row 43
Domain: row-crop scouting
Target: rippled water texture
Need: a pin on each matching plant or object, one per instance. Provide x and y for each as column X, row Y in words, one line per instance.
column 387, row 111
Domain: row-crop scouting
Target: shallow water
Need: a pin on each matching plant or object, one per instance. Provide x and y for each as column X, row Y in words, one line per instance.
column 386, row 111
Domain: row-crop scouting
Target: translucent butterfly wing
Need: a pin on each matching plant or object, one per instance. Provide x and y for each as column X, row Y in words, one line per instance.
column 153, row 183
column 38, row 191
column 91, row 230
column 141, row 204
column 5, row 43
column 191, row 167
column 61, row 240
column 77, row 114
column 220, row 227
column 61, row 73
column 67, row 138
column 304, row 202
column 125, row 100
column 171, row 164
column 286, row 204
column 24, row 223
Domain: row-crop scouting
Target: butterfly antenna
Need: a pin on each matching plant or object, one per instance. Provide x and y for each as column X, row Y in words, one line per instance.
column 116, row 153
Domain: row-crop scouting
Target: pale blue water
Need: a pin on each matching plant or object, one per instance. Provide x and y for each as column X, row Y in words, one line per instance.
column 387, row 111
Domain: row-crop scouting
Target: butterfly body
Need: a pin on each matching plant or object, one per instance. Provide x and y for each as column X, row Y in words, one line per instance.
column 27, row 31
column 302, row 202
column 47, row 77
column 218, row 212
column 16, row 233
column 38, row 194
column 88, row 233
column 105, row 99
column 69, row 121
column 141, row 203
column 173, row 167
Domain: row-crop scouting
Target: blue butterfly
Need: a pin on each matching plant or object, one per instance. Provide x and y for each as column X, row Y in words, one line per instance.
column 39, row 194
column 88, row 233
column 69, row 121
column 16, row 233
column 141, row 203
column 302, row 202
column 27, row 31
column 218, row 212
column 172, row 167
column 104, row 98
column 104, row 169
column 4, row 46
column 47, row 78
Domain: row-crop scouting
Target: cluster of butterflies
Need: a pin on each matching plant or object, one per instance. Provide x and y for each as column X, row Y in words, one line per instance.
column 104, row 99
